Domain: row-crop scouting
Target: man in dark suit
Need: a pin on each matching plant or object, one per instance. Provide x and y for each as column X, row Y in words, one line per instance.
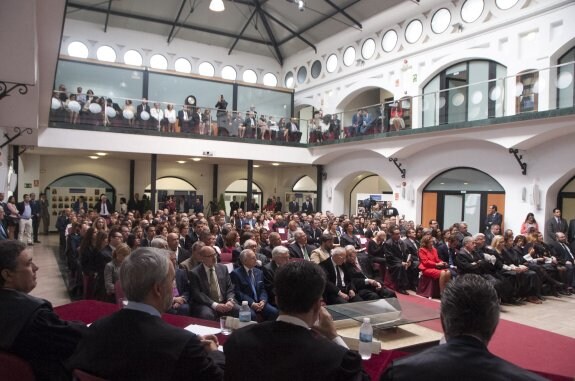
column 249, row 285
column 135, row 343
column 144, row 106
column 30, row 328
column 184, row 119
column 555, row 224
column 565, row 257
column 278, row 207
column 213, row 292
column 300, row 248
column 307, row 206
column 280, row 257
column 35, row 204
column 287, row 349
column 250, row 123
column 294, row 134
column 234, row 205
column 469, row 316
column 367, row 289
column 293, row 206
column 80, row 204
column 104, row 207
column 339, row 288
column 313, row 233
column 174, row 245
column 571, row 231
column 3, row 231
column 493, row 218
column 399, row 263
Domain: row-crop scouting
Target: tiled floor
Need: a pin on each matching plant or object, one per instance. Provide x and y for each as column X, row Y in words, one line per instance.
column 555, row 314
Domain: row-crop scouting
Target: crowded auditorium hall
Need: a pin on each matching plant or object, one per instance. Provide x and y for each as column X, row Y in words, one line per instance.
column 287, row 190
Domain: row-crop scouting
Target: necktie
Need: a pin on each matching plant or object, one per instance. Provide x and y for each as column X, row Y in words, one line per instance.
column 305, row 254
column 104, row 209
column 566, row 248
column 253, row 283
column 214, row 294
column 338, row 275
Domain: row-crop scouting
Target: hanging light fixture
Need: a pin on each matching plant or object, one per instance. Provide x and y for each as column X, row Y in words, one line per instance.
column 217, row 5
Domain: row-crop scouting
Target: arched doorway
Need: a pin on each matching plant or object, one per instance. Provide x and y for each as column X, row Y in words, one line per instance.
column 461, row 194
column 368, row 187
column 239, row 190
column 566, row 200
column 304, row 187
column 63, row 192
column 184, row 192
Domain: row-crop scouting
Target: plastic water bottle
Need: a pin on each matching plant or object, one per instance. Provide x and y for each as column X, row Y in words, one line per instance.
column 365, row 339
column 245, row 313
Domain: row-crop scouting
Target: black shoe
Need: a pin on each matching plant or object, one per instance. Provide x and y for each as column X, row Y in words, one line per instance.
column 403, row 292
column 564, row 292
column 37, row 241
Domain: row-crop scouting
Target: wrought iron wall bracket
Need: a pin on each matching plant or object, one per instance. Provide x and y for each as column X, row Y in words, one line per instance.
column 7, row 87
column 18, row 132
column 519, row 158
column 398, row 165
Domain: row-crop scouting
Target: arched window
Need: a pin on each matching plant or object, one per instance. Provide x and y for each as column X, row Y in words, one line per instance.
column 565, row 74
column 62, row 193
column 183, row 191
column 305, row 184
column 471, row 90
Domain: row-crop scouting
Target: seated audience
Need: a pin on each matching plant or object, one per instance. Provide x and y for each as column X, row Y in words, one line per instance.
column 280, row 257
column 302, row 344
column 112, row 269
column 29, row 327
column 135, row 343
column 300, row 248
column 469, row 316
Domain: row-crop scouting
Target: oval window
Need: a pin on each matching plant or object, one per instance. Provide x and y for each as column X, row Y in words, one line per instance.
column 78, row 49
column 331, row 63
column 250, row 76
column 206, row 69
column 270, row 80
column 132, row 57
column 106, row 54
column 182, row 65
column 316, row 69
column 389, row 40
column 440, row 21
column 368, row 48
column 301, row 74
column 229, row 72
column 471, row 10
column 413, row 31
column 349, row 56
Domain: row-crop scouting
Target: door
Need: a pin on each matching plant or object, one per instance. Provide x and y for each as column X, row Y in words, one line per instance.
column 462, row 207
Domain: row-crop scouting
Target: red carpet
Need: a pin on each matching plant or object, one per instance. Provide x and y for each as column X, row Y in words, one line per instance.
column 546, row 353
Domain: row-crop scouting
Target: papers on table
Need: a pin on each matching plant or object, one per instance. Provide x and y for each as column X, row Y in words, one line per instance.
column 202, row 330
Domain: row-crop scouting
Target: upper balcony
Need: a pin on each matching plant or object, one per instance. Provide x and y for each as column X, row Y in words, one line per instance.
column 110, row 98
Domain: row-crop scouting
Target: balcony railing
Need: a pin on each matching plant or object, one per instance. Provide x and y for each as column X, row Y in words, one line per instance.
column 521, row 96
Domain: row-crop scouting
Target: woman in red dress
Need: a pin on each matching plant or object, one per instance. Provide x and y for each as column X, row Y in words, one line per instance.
column 430, row 264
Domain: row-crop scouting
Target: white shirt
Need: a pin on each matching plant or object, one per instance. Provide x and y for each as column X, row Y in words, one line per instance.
column 297, row 321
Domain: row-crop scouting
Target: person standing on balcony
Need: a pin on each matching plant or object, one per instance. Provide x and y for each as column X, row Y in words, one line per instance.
column 221, row 113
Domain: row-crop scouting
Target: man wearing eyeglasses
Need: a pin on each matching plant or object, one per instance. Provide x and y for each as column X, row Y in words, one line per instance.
column 212, row 291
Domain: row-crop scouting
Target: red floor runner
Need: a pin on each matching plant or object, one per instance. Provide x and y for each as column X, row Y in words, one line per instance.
column 544, row 352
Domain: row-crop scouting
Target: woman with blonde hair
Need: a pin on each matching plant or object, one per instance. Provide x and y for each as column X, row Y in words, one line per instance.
column 430, row 264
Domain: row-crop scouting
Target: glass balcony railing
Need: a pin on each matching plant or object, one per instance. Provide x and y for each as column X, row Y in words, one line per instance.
column 523, row 95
